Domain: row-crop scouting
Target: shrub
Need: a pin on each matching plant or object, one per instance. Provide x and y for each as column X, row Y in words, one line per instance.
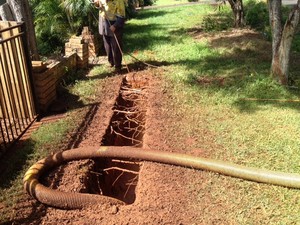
column 256, row 14
column 217, row 21
column 50, row 43
column 148, row 2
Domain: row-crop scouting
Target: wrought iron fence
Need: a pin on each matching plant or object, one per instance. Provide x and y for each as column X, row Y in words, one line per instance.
column 17, row 105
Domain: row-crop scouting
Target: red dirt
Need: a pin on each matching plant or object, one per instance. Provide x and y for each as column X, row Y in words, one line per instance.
column 162, row 193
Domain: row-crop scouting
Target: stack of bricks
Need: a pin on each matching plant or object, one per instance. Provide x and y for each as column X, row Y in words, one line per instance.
column 92, row 41
column 44, row 83
column 47, row 78
column 77, row 45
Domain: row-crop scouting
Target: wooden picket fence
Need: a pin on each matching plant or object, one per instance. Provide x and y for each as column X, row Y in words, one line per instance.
column 17, row 103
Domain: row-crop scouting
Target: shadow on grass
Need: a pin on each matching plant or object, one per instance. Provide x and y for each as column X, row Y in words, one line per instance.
column 142, row 37
column 12, row 165
column 146, row 14
column 140, row 66
column 252, row 105
column 133, row 67
column 239, row 72
column 242, row 71
column 13, row 161
column 77, row 136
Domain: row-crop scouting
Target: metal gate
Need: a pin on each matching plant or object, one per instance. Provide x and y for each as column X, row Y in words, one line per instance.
column 17, row 108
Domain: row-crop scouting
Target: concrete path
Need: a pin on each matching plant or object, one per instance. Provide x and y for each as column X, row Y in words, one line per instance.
column 289, row 2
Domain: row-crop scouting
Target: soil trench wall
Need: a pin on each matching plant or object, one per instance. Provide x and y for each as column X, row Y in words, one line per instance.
column 119, row 178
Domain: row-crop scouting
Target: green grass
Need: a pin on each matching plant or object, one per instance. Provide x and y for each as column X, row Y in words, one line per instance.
column 208, row 79
column 262, row 134
column 49, row 138
column 85, row 89
column 173, row 2
column 169, row 2
column 42, row 142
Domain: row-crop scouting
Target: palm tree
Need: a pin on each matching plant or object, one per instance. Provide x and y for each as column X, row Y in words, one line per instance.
column 51, row 25
column 50, row 18
column 80, row 13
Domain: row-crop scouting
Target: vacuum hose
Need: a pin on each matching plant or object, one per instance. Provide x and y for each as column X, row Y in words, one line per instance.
column 65, row 200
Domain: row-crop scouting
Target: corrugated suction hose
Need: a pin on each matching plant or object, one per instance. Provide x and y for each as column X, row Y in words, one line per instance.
column 65, row 200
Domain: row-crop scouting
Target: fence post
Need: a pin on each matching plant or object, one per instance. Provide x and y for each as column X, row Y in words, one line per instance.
column 29, row 67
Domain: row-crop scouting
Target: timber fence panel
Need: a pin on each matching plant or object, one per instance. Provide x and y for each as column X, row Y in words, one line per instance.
column 17, row 108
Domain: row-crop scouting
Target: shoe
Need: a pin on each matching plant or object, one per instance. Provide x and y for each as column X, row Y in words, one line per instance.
column 111, row 64
column 118, row 70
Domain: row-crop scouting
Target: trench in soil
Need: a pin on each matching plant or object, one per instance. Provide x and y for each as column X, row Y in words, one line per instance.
column 119, row 178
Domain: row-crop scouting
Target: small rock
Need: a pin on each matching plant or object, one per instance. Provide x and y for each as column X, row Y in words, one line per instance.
column 114, row 209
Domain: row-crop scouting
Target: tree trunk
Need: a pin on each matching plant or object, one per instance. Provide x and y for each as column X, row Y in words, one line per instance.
column 6, row 13
column 282, row 39
column 31, row 31
column 22, row 13
column 238, row 12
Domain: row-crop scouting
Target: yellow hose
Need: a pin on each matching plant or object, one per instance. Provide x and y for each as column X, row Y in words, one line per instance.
column 78, row 200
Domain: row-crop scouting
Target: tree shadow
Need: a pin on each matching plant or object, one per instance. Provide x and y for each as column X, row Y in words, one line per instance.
column 140, row 34
column 12, row 166
column 250, row 105
column 244, row 70
column 143, row 65
column 146, row 35
column 13, row 160
column 146, row 14
column 135, row 66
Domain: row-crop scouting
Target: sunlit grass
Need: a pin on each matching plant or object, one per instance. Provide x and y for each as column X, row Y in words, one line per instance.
column 173, row 2
column 210, row 81
column 85, row 89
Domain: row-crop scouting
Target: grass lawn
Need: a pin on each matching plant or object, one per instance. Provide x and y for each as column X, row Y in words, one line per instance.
column 173, row 2
column 209, row 76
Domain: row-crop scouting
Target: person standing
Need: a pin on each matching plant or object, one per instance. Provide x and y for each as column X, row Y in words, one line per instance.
column 111, row 24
